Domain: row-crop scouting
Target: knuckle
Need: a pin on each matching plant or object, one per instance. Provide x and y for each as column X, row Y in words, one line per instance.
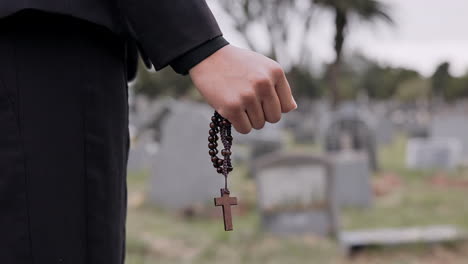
column 277, row 71
column 248, row 96
column 232, row 107
column 261, row 81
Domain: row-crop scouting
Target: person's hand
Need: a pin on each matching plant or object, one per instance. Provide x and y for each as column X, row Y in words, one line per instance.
column 243, row 86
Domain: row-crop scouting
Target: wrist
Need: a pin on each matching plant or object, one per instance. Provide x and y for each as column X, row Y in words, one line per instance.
column 190, row 59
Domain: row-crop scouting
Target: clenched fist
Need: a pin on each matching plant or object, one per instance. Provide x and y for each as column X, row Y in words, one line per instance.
column 243, row 86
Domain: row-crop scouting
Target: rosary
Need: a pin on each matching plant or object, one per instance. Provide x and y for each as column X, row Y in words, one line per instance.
column 222, row 165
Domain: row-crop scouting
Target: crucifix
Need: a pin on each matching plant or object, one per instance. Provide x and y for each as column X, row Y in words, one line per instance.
column 226, row 202
column 223, row 165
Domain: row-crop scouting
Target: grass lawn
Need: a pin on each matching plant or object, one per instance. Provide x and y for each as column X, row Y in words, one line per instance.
column 405, row 198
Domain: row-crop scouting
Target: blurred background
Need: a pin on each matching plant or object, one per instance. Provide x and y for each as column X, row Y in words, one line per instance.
column 371, row 168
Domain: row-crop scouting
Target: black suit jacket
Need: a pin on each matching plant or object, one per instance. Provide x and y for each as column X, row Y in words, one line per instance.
column 176, row 32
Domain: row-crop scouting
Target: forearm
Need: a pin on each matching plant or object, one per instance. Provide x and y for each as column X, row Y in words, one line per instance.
column 168, row 29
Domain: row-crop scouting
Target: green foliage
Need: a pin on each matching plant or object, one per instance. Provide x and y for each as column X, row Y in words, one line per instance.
column 382, row 82
column 456, row 88
column 163, row 83
column 414, row 89
column 305, row 85
column 441, row 79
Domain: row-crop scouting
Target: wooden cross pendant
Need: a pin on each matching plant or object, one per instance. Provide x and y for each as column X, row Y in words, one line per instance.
column 225, row 201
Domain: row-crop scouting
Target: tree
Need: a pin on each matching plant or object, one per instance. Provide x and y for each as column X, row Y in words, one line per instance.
column 165, row 82
column 272, row 17
column 304, row 83
column 441, row 79
column 367, row 10
column 414, row 89
column 381, row 83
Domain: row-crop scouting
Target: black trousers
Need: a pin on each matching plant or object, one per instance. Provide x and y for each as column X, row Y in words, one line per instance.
column 63, row 141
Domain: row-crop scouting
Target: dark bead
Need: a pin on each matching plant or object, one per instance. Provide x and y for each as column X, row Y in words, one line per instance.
column 212, row 125
column 212, row 132
column 211, row 139
column 220, row 170
column 220, row 162
column 225, row 152
column 215, row 165
column 214, row 159
column 229, row 169
column 211, row 146
column 229, row 138
column 214, row 119
column 225, row 122
column 212, row 152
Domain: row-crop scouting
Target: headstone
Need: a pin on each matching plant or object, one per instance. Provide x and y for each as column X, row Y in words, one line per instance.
column 454, row 126
column 352, row 179
column 295, row 194
column 384, row 130
column 182, row 174
column 265, row 141
column 350, row 132
column 433, row 153
column 357, row 240
column 142, row 153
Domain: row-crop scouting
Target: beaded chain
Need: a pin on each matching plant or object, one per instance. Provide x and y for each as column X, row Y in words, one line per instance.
column 222, row 126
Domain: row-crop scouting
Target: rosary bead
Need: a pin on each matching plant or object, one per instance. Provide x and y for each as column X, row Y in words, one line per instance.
column 214, row 159
column 211, row 146
column 220, row 162
column 229, row 138
column 212, row 125
column 225, row 122
column 219, row 170
column 225, row 152
column 213, row 152
column 212, row 132
column 216, row 165
column 211, row 139
column 229, row 169
column 214, row 119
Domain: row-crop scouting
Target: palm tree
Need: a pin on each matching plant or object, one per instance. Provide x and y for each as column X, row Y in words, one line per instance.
column 367, row 10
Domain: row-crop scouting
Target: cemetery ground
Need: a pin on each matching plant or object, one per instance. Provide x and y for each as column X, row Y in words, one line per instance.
column 403, row 198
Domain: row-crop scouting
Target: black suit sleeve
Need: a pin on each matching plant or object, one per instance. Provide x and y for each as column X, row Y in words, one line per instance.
column 168, row 29
column 186, row 61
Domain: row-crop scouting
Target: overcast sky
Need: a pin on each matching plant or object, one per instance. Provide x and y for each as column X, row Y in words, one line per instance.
column 426, row 33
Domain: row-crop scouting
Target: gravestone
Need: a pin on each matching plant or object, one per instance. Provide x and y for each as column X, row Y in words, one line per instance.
column 452, row 125
column 352, row 179
column 267, row 140
column 357, row 240
column 384, row 130
column 182, row 174
column 142, row 153
column 350, row 132
column 433, row 153
column 295, row 194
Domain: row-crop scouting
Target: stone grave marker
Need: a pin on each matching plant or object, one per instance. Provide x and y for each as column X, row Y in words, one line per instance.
column 357, row 240
column 452, row 125
column 350, row 132
column 182, row 174
column 433, row 153
column 352, row 179
column 295, row 194
column 142, row 153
